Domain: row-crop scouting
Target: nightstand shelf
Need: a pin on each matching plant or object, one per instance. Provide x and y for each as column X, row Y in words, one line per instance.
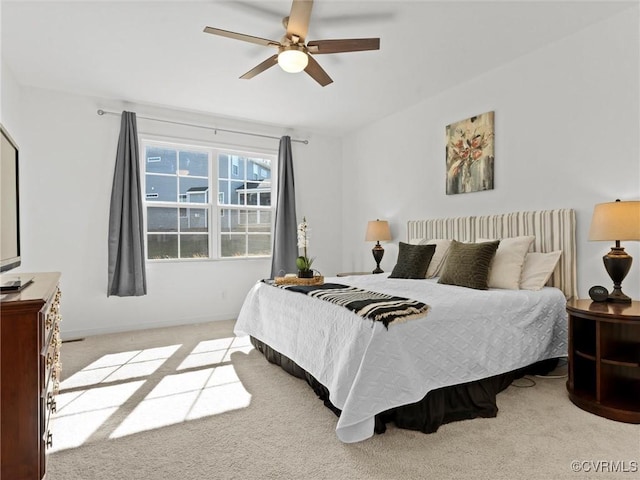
column 585, row 355
column 604, row 358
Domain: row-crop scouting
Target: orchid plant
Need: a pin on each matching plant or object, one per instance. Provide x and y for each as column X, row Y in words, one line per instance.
column 303, row 262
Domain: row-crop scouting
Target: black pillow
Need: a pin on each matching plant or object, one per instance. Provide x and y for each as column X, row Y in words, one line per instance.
column 413, row 261
column 468, row 264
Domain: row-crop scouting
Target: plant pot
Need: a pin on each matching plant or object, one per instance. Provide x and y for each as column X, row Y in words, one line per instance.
column 305, row 273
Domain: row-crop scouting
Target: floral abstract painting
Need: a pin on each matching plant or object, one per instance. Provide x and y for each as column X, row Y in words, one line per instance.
column 470, row 154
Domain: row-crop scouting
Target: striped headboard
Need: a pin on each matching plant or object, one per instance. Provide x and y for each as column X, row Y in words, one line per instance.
column 553, row 229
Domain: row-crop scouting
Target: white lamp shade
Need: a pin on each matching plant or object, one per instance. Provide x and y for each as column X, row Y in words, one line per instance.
column 293, row 60
column 616, row 221
column 378, row 230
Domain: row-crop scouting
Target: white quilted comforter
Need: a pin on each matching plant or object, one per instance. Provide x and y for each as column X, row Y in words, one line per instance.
column 468, row 335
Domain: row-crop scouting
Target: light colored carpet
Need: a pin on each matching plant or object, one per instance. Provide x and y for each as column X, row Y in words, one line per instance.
column 284, row 431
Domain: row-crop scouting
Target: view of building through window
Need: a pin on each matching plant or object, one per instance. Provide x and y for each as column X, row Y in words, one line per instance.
column 206, row 202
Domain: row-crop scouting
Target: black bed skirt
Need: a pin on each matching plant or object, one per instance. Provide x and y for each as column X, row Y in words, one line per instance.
column 440, row 406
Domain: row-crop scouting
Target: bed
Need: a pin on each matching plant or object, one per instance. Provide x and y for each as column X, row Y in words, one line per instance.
column 447, row 365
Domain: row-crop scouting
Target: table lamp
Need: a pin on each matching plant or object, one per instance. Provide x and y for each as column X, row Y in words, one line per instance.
column 616, row 221
column 378, row 230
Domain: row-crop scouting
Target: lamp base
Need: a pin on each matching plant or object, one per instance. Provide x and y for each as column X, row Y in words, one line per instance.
column 378, row 253
column 617, row 263
column 618, row 297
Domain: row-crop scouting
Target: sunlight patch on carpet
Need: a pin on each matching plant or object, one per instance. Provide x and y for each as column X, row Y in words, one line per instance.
column 211, row 352
column 187, row 396
column 80, row 413
column 120, row 366
column 106, row 399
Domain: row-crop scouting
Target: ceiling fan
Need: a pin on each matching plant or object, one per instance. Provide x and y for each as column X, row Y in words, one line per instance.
column 294, row 55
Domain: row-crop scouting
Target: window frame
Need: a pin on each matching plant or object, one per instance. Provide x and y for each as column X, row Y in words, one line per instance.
column 215, row 209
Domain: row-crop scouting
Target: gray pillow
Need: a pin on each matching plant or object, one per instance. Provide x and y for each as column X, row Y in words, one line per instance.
column 413, row 261
column 468, row 264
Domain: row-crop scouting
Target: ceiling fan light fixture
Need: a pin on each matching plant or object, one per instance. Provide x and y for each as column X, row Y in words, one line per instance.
column 293, row 58
column 294, row 55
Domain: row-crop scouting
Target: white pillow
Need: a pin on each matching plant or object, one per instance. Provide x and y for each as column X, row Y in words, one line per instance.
column 439, row 256
column 537, row 269
column 506, row 268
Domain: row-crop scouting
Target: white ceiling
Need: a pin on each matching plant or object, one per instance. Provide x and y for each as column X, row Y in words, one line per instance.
column 154, row 52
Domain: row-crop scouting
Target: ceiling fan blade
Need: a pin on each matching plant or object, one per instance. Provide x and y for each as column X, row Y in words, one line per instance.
column 317, row 73
column 241, row 36
column 344, row 45
column 298, row 24
column 268, row 63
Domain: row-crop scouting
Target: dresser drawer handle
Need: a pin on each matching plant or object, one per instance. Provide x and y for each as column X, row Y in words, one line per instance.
column 51, row 403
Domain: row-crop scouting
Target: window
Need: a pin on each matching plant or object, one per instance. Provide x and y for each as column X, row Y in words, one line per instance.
column 192, row 213
column 245, row 217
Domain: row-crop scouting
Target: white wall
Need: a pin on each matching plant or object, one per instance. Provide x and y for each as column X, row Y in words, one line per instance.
column 67, row 155
column 10, row 94
column 567, row 136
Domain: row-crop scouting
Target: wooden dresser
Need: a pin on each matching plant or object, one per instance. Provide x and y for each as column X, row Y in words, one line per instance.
column 29, row 376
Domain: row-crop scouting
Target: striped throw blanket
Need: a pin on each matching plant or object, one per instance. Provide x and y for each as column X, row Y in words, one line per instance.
column 375, row 306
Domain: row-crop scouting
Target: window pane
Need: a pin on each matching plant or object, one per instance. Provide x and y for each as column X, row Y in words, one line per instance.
column 225, row 221
column 160, row 219
column 259, row 245
column 258, row 221
column 162, row 246
column 194, row 246
column 237, row 166
column 252, row 198
column 260, row 168
column 232, row 245
column 194, row 220
column 236, row 188
column 224, row 189
column 223, row 166
column 233, row 221
column 194, row 190
column 160, row 188
column 160, row 160
column 194, row 164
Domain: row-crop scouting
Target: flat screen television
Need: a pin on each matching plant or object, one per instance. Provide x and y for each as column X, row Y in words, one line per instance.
column 9, row 204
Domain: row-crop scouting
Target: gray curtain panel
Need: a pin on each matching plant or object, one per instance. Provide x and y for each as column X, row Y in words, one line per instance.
column 127, row 275
column 285, row 237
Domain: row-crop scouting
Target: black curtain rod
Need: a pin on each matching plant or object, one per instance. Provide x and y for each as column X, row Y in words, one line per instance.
column 215, row 129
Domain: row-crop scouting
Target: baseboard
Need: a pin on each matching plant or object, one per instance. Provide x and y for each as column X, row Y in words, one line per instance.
column 77, row 335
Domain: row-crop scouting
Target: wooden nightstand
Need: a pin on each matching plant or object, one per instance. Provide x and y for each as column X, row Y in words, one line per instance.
column 604, row 358
column 348, row 274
